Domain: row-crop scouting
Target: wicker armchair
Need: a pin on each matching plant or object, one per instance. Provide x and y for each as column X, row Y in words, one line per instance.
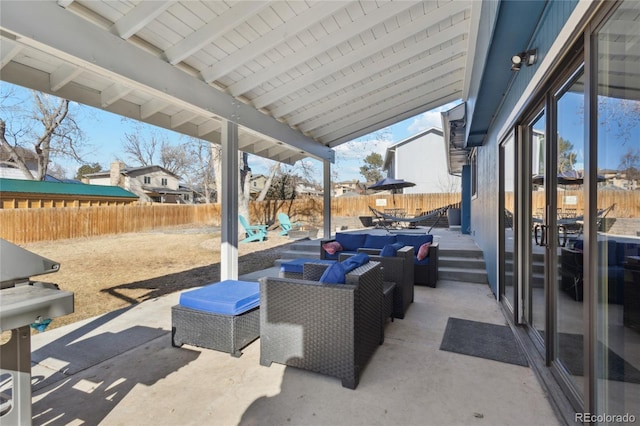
column 331, row 329
column 399, row 270
column 428, row 274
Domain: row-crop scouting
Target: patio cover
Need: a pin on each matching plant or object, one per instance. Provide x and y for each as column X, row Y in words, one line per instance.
column 280, row 79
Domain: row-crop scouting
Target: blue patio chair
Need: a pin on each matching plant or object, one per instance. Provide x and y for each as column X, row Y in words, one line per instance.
column 254, row 232
column 286, row 224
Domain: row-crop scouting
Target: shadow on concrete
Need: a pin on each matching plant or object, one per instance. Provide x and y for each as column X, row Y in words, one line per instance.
column 196, row 277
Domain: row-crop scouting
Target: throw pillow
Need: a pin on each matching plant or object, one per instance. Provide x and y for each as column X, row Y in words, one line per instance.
column 423, row 251
column 388, row 251
column 333, row 274
column 332, row 247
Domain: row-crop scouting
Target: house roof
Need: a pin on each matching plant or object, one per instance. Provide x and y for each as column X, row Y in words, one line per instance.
column 26, row 154
column 297, row 77
column 41, row 187
column 134, row 170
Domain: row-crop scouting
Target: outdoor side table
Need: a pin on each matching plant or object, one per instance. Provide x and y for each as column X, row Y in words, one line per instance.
column 224, row 316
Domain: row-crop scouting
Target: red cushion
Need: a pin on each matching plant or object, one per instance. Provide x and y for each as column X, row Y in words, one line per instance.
column 423, row 251
column 332, row 247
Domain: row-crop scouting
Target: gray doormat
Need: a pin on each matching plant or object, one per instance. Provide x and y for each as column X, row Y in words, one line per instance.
column 483, row 340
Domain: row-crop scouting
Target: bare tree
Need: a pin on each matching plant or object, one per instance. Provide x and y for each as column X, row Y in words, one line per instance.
column 47, row 128
column 275, row 169
column 155, row 149
column 200, row 169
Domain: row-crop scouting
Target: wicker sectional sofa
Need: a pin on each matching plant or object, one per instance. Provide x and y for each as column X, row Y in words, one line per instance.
column 332, row 329
column 425, row 271
column 395, row 269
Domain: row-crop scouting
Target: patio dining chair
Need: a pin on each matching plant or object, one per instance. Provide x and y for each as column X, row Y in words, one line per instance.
column 254, row 232
column 286, row 224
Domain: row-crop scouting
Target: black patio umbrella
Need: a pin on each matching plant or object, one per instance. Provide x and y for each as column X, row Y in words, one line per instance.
column 570, row 177
column 392, row 185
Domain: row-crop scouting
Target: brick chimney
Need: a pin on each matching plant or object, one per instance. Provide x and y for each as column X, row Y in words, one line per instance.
column 116, row 169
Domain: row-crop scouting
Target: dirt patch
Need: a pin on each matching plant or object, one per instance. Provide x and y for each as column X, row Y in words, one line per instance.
column 112, row 272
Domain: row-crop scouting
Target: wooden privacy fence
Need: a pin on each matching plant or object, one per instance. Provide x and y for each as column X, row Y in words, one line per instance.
column 47, row 224
column 627, row 203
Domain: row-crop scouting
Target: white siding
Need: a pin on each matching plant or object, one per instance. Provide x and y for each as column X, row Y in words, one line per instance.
column 423, row 161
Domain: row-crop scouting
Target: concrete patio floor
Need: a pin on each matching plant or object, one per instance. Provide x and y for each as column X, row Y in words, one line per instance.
column 120, row 369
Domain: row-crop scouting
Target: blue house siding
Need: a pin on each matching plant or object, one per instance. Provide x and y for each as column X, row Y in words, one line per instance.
column 484, row 208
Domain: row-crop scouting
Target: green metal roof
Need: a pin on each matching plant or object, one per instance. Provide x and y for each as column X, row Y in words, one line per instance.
column 40, row 187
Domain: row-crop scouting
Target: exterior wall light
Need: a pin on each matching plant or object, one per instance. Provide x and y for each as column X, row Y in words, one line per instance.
column 528, row 58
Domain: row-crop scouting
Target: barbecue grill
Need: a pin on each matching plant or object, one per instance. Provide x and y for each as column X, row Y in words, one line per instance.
column 23, row 304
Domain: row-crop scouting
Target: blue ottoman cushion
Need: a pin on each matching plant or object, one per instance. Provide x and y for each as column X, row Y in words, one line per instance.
column 297, row 265
column 228, row 297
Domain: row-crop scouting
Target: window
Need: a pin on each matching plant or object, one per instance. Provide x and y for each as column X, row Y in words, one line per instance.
column 147, row 180
column 164, row 182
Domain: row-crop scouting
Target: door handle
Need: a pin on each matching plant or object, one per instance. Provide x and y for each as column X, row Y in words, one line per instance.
column 543, row 239
column 562, row 231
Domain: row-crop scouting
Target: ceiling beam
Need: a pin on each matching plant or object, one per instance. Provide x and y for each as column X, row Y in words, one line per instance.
column 213, row 29
column 144, row 13
column 114, row 93
column 63, row 75
column 182, row 117
column 53, row 29
column 272, row 39
column 427, row 63
column 314, row 49
column 366, row 73
column 368, row 50
column 209, row 126
column 152, row 107
column 381, row 100
column 365, row 123
column 8, row 50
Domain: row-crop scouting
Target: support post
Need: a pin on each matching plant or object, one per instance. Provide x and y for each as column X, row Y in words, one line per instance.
column 229, row 202
column 326, row 213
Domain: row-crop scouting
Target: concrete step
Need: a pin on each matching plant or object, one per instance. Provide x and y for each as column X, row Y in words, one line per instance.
column 460, row 253
column 461, row 262
column 295, row 254
column 470, row 275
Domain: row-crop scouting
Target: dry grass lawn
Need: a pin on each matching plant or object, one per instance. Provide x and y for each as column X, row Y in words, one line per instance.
column 111, row 272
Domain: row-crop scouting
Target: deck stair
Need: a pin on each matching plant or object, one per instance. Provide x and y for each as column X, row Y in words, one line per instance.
column 466, row 265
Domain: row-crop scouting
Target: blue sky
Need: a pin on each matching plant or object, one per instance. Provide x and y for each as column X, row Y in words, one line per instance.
column 105, row 133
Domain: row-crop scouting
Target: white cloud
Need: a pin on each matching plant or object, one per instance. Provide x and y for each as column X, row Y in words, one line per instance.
column 429, row 119
column 361, row 148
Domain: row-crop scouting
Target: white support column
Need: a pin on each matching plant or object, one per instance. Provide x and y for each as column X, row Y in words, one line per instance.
column 326, row 214
column 229, row 202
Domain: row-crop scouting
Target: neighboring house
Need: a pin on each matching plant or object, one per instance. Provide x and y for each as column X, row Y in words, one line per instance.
column 150, row 183
column 9, row 171
column 421, row 159
column 256, row 185
column 23, row 194
column 308, row 189
column 350, row 187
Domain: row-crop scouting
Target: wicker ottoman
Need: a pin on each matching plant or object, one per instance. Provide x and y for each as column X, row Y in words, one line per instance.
column 223, row 316
column 293, row 268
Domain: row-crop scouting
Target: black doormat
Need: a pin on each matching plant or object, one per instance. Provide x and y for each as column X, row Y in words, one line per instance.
column 571, row 355
column 483, row 340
